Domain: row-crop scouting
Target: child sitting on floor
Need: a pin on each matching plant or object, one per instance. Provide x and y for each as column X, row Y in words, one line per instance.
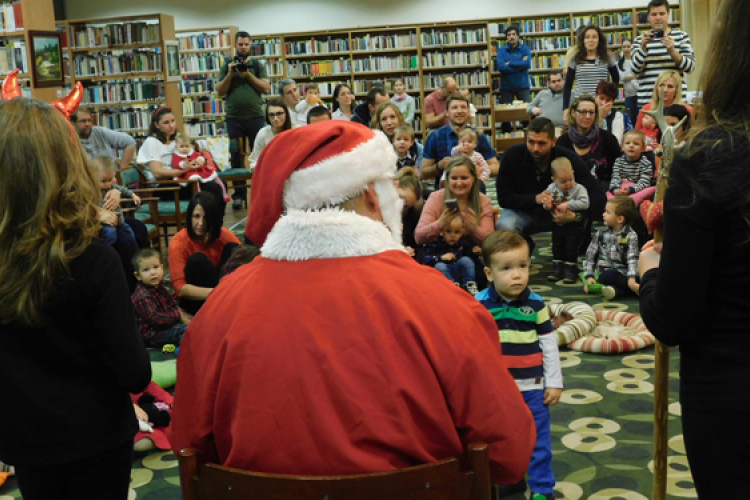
column 613, row 252
column 195, row 164
column 566, row 195
column 159, row 319
column 529, row 344
column 449, row 254
column 632, row 172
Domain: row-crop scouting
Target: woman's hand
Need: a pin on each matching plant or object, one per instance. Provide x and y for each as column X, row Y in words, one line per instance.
column 446, row 218
column 111, row 200
column 564, row 218
column 470, row 219
column 650, row 257
column 108, row 218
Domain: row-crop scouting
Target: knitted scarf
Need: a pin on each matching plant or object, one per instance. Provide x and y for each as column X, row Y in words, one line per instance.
column 583, row 140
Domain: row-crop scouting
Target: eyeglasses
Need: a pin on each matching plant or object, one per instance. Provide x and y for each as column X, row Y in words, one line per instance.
column 586, row 112
column 276, row 115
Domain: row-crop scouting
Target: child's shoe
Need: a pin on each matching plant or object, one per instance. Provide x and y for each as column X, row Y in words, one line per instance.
column 557, row 271
column 608, row 292
column 542, row 496
column 570, row 273
column 471, row 287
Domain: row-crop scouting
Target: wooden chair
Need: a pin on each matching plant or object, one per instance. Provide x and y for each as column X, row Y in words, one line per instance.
column 239, row 177
column 443, row 480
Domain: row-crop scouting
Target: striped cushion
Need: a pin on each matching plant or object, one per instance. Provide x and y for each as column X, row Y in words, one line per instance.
column 584, row 320
column 603, row 345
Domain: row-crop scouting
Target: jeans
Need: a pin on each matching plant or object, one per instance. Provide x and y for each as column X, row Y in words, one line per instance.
column 507, row 96
column 631, row 103
column 460, row 271
column 172, row 335
column 541, row 478
column 242, row 129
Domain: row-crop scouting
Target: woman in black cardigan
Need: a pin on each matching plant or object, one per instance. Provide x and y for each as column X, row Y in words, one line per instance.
column 697, row 295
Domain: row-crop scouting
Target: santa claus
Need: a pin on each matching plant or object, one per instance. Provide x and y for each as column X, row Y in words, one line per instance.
column 334, row 352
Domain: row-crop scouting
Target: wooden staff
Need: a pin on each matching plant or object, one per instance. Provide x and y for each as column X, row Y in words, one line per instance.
column 661, row 372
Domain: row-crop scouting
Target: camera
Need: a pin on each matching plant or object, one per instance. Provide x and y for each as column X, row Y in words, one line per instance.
column 657, row 33
column 241, row 66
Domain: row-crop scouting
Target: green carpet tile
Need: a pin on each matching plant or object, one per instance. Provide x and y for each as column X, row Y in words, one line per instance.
column 602, row 430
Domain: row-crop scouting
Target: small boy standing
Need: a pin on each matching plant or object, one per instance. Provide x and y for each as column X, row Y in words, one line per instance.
column 449, row 254
column 312, row 99
column 159, row 319
column 566, row 195
column 403, row 140
column 528, row 342
column 632, row 173
column 613, row 252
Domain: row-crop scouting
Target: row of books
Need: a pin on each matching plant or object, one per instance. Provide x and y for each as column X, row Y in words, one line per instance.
column 84, row 37
column 674, row 14
column 454, row 58
column 266, row 47
column 119, row 92
column 11, row 16
column 482, row 120
column 463, row 79
column 111, row 64
column 220, row 40
column 383, row 63
column 205, row 62
column 544, row 25
column 375, row 42
column 195, row 128
column 212, row 106
column 274, row 69
column 548, row 61
column 314, row 46
column 362, row 86
column 417, row 124
column 617, row 37
column 318, row 68
column 133, row 120
column 480, row 98
column 195, row 86
column 458, row 36
column 550, row 43
column 13, row 55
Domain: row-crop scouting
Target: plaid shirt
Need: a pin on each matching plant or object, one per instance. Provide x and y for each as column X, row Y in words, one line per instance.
column 610, row 250
column 155, row 309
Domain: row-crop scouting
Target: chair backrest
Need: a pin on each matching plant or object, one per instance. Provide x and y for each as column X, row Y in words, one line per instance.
column 443, row 480
column 128, row 176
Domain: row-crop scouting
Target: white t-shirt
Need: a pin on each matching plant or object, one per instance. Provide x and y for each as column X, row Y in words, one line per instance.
column 155, row 150
column 339, row 115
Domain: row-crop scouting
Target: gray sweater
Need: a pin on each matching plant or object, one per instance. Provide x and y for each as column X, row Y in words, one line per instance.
column 103, row 141
column 577, row 198
column 551, row 105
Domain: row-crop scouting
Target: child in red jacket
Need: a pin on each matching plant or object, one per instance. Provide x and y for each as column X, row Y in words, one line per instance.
column 195, row 164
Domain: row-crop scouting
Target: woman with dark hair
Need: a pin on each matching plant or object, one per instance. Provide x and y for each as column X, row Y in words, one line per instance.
column 630, row 80
column 155, row 155
column 590, row 65
column 278, row 120
column 69, row 346
column 694, row 293
column 613, row 121
column 343, row 97
column 198, row 251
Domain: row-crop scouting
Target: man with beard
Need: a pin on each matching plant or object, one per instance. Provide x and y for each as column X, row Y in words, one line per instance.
column 101, row 141
column 312, row 360
column 437, row 149
column 549, row 102
column 243, row 81
column 525, row 173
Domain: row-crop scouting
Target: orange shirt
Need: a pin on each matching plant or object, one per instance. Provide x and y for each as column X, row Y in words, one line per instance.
column 182, row 247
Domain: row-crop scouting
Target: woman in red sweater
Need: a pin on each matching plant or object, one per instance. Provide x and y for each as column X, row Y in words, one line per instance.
column 198, row 251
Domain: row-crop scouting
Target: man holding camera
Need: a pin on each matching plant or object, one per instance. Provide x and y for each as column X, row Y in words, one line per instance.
column 243, row 81
column 659, row 49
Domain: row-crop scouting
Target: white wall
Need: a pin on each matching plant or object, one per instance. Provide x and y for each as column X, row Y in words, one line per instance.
column 285, row 16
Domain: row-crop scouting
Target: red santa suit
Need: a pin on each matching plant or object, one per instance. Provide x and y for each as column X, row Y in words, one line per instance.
column 313, row 359
column 207, row 172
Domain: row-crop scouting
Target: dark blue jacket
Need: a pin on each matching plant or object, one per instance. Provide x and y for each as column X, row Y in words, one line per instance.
column 513, row 66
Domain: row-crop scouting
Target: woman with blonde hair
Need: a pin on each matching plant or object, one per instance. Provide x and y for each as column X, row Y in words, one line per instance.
column 68, row 339
column 704, row 260
column 669, row 85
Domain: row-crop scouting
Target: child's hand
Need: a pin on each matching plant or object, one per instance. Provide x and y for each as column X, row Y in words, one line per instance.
column 633, row 285
column 185, row 317
column 562, row 208
column 139, row 413
column 621, row 192
column 447, row 257
column 108, row 218
column 137, row 200
column 200, row 161
column 477, row 250
column 409, row 251
column 589, row 281
column 552, row 396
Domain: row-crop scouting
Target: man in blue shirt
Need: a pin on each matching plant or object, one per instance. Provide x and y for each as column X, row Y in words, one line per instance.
column 437, row 149
column 513, row 62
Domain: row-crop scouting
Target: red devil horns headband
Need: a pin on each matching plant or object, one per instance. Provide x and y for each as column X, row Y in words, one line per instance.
column 67, row 105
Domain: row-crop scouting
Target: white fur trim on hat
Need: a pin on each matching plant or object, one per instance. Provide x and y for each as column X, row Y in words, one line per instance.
column 339, row 177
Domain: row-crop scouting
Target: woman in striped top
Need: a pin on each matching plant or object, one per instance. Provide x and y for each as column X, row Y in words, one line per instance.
column 590, row 65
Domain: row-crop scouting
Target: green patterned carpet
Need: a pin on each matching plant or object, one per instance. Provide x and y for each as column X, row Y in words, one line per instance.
column 602, row 430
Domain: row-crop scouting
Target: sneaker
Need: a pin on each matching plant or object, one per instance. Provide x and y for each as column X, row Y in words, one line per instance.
column 557, row 271
column 570, row 273
column 608, row 292
column 542, row 496
column 471, row 287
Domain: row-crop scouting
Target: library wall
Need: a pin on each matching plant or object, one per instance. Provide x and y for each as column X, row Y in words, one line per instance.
column 262, row 16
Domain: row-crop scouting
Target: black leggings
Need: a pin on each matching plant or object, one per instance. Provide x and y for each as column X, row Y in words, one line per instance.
column 105, row 476
column 200, row 271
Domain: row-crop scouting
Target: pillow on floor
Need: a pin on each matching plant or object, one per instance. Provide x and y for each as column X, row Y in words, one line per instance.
column 616, row 332
column 164, row 373
column 584, row 320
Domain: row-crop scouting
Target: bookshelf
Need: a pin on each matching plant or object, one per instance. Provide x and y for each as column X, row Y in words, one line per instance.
column 120, row 62
column 202, row 53
column 269, row 50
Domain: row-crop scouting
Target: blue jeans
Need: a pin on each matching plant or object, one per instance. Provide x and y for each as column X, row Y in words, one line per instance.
column 632, row 104
column 112, row 234
column 172, row 335
column 460, row 271
column 541, row 477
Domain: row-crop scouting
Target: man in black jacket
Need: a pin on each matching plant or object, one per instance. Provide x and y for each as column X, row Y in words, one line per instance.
column 375, row 97
column 524, row 176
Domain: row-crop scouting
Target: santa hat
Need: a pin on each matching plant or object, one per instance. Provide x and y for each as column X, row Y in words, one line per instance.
column 315, row 166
